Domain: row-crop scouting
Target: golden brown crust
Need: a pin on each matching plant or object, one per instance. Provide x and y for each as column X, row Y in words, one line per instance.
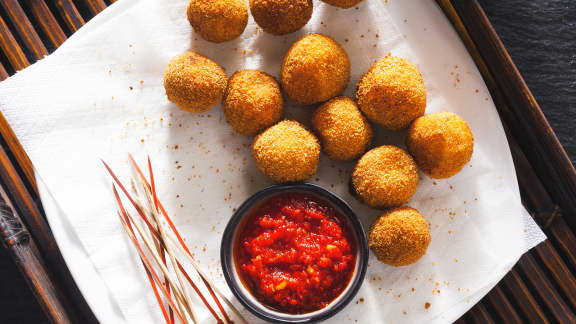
column 281, row 17
column 343, row 130
column 441, row 143
column 218, row 20
column 343, row 3
column 287, row 152
column 385, row 177
column 194, row 82
column 315, row 69
column 253, row 102
column 392, row 93
column 399, row 237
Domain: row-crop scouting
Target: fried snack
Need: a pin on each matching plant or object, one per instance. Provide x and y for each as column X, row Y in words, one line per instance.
column 385, row 177
column 441, row 144
column 218, row 20
column 287, row 152
column 343, row 130
column 392, row 93
column 253, row 102
column 315, row 69
column 399, row 237
column 279, row 17
column 194, row 82
column 343, row 3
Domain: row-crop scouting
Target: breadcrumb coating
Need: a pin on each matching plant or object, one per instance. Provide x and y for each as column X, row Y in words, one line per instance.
column 194, row 82
column 218, row 20
column 344, row 132
column 315, row 69
column 279, row 17
column 343, row 3
column 392, row 93
column 441, row 143
column 253, row 102
column 399, row 237
column 385, row 177
column 287, row 152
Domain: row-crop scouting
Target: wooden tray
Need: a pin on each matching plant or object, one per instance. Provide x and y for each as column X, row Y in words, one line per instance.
column 540, row 288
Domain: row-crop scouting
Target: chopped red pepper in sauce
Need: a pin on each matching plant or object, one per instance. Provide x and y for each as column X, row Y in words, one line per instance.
column 295, row 253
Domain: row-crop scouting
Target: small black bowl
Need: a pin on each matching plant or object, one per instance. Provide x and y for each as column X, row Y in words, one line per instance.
column 244, row 295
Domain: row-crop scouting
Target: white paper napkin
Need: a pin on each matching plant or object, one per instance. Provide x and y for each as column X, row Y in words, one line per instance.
column 100, row 95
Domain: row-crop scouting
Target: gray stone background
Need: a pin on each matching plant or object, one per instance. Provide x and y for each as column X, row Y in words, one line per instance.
column 541, row 38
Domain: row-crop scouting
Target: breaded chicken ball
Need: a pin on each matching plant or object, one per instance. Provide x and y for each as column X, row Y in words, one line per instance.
column 287, row 152
column 279, row 17
column 343, row 3
column 218, row 20
column 385, row 177
column 194, row 82
column 399, row 237
column 392, row 93
column 441, row 144
column 343, row 130
column 253, row 102
column 315, row 69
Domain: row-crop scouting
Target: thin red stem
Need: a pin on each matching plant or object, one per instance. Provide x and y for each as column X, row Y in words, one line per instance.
column 158, row 297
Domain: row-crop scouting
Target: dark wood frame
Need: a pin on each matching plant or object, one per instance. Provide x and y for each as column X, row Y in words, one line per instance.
column 542, row 286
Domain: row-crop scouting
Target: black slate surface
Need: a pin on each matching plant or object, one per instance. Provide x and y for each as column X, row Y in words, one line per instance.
column 541, row 38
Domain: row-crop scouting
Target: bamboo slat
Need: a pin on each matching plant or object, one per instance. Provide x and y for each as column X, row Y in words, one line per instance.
column 564, row 240
column 43, row 16
column 558, row 270
column 69, row 13
column 522, row 296
column 10, row 47
column 3, row 73
column 480, row 315
column 502, row 306
column 95, row 6
column 541, row 286
column 24, row 28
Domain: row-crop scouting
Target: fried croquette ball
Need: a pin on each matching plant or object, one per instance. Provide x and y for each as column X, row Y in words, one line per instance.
column 287, row 152
column 441, row 144
column 315, row 69
column 392, row 93
column 343, row 130
column 399, row 236
column 194, row 82
column 343, row 3
column 385, row 177
column 253, row 102
column 279, row 17
column 218, row 20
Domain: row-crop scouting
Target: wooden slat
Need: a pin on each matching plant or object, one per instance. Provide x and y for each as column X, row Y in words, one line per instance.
column 562, row 276
column 13, row 52
column 564, row 239
column 95, row 6
column 3, row 73
column 69, row 13
column 522, row 296
column 49, row 25
column 480, row 315
column 536, row 278
column 502, row 306
column 24, row 28
column 17, row 241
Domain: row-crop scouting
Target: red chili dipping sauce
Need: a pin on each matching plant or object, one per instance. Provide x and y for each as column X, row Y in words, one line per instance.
column 295, row 253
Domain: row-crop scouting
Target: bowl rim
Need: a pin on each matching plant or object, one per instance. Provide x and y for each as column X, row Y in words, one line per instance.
column 227, row 249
